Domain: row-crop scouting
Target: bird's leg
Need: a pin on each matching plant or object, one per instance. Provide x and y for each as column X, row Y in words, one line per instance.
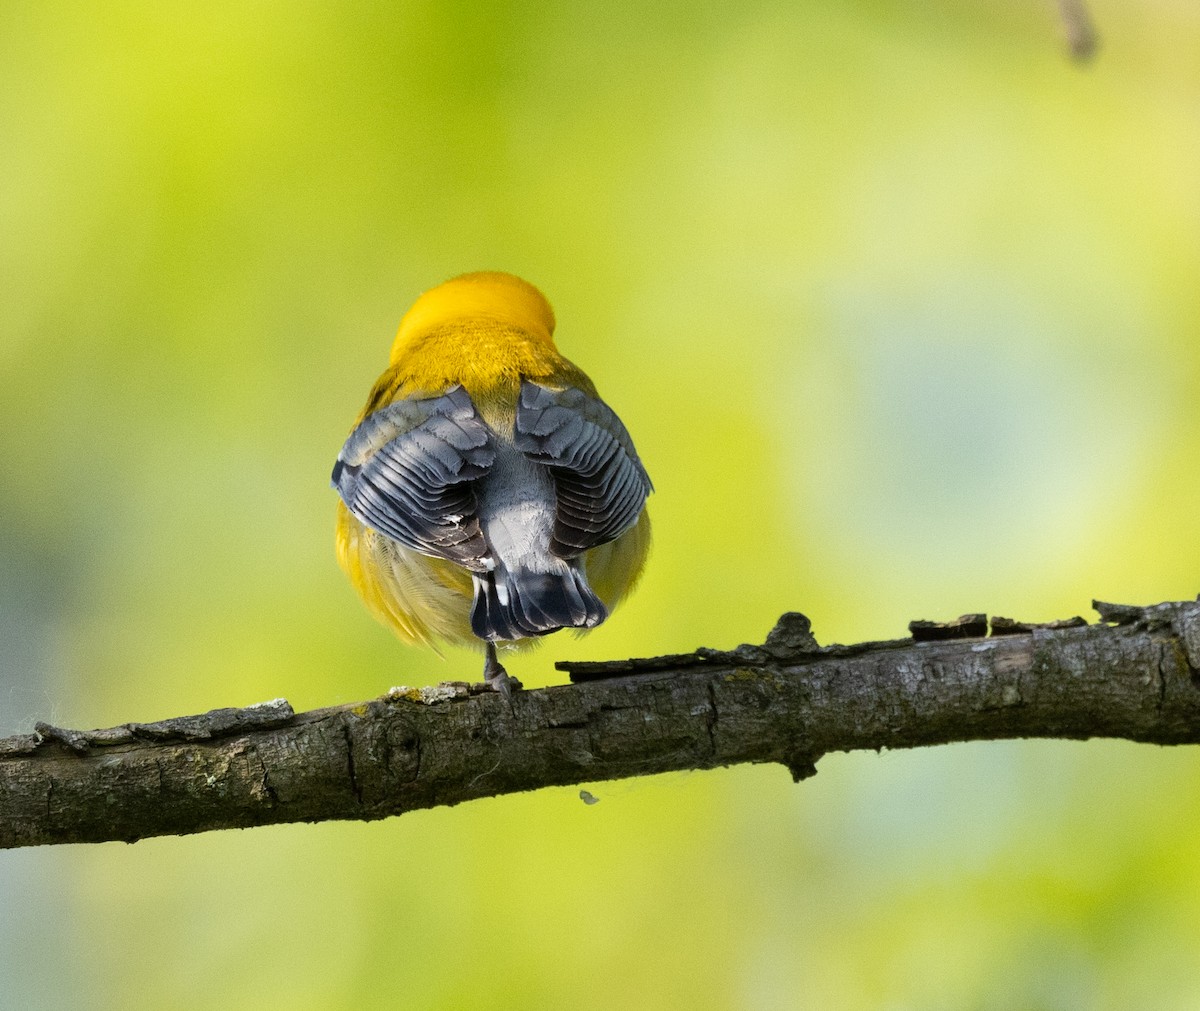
column 496, row 677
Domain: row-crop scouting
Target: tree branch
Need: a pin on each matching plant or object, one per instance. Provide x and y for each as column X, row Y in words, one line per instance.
column 1135, row 676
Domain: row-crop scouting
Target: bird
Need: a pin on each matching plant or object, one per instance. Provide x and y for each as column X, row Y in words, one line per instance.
column 487, row 495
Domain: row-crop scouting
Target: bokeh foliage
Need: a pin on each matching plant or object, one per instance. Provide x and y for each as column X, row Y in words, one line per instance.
column 901, row 308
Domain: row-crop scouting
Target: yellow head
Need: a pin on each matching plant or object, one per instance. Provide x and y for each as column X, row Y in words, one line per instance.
column 486, row 295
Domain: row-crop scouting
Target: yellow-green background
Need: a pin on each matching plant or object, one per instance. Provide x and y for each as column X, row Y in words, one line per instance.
column 903, row 310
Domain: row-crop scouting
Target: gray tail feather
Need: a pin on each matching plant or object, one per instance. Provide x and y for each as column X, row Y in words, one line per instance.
column 520, row 604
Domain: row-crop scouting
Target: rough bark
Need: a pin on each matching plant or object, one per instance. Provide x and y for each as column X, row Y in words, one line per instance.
column 1135, row 676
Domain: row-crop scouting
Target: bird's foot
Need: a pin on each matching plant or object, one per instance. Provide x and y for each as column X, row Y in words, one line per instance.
column 502, row 682
column 496, row 678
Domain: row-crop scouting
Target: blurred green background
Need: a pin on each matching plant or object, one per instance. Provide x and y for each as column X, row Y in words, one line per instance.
column 902, row 309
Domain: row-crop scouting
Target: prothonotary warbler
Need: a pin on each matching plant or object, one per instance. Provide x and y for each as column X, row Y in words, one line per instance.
column 488, row 495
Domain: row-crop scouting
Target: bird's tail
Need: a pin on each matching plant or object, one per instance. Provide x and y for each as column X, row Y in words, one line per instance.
column 519, row 603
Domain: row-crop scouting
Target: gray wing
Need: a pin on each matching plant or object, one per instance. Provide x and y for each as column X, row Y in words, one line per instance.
column 406, row 471
column 600, row 481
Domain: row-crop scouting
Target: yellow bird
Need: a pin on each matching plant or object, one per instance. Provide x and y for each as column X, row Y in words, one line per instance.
column 487, row 494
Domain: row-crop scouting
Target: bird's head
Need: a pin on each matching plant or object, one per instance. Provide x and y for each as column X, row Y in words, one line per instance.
column 483, row 296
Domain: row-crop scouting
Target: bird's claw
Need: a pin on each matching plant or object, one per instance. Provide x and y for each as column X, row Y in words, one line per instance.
column 496, row 678
column 502, row 682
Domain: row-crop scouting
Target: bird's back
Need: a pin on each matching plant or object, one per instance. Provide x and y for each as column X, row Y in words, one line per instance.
column 520, row 587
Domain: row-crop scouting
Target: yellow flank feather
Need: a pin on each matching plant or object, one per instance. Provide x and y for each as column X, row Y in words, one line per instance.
column 486, row 332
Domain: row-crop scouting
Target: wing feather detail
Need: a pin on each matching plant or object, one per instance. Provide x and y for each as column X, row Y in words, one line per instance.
column 600, row 482
column 407, row 469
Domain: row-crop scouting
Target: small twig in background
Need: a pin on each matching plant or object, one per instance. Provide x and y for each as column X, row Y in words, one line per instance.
column 1079, row 29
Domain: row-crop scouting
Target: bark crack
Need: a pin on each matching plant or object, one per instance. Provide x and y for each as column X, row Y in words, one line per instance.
column 351, row 771
column 711, row 717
